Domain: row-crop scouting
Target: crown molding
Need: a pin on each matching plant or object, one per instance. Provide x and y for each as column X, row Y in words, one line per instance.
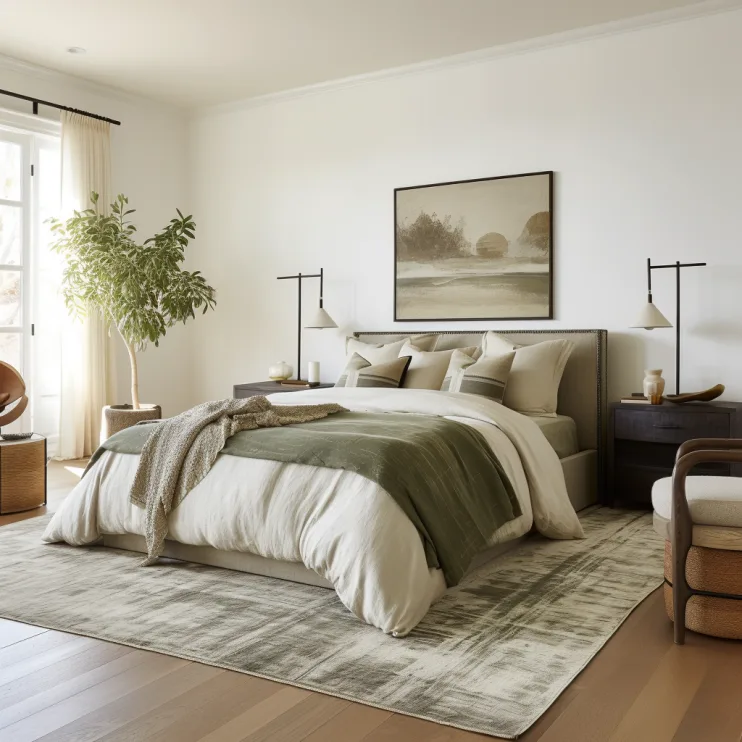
column 481, row 56
column 84, row 85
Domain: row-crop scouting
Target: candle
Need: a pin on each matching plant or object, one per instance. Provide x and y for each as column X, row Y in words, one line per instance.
column 313, row 372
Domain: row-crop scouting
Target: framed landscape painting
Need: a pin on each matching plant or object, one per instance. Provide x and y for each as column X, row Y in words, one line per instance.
column 474, row 249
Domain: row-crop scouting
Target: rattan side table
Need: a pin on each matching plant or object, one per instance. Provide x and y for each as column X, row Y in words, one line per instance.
column 22, row 474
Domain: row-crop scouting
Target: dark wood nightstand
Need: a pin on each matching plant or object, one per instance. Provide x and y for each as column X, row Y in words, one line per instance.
column 643, row 441
column 242, row 391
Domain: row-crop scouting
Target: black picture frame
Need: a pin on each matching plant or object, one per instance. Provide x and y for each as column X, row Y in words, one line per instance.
column 548, row 315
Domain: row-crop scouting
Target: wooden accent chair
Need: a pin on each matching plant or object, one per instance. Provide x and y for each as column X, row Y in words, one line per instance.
column 701, row 520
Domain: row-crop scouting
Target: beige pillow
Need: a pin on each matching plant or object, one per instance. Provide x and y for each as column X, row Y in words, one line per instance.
column 533, row 383
column 495, row 345
column 360, row 372
column 428, row 369
column 486, row 377
column 380, row 352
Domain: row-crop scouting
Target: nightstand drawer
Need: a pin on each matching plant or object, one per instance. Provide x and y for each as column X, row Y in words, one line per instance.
column 658, row 426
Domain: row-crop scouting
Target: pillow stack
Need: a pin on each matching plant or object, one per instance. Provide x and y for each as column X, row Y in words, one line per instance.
column 379, row 365
column 525, row 378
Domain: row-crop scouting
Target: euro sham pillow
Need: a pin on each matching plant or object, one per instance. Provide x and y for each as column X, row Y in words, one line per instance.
column 494, row 344
column 382, row 352
column 360, row 372
column 533, row 383
column 428, row 368
column 486, row 377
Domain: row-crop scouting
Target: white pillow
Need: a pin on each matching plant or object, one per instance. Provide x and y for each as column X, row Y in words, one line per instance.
column 428, row 369
column 533, row 383
column 381, row 353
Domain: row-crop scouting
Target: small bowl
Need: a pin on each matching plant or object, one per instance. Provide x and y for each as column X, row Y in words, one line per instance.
column 15, row 436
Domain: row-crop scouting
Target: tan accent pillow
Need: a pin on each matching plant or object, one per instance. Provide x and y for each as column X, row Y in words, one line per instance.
column 360, row 372
column 486, row 377
column 533, row 383
column 381, row 352
column 428, row 368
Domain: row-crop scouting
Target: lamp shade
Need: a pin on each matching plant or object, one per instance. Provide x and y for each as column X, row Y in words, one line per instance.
column 650, row 317
column 320, row 320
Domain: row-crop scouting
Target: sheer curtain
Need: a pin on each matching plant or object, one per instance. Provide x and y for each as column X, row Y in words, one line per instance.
column 86, row 367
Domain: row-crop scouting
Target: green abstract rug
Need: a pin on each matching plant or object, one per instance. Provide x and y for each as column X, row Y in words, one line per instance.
column 491, row 656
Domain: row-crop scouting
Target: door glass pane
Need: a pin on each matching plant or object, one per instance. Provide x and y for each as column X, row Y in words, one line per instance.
column 10, row 171
column 10, row 298
column 10, row 235
column 10, row 349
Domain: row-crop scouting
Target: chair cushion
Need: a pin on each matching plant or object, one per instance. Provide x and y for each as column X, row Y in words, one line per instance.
column 713, row 501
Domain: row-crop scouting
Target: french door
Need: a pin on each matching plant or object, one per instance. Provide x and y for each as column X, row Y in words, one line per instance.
column 30, row 309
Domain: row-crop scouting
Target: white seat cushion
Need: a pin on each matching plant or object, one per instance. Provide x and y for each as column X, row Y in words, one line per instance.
column 713, row 501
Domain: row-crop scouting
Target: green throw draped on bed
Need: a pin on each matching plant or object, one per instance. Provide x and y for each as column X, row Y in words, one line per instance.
column 442, row 473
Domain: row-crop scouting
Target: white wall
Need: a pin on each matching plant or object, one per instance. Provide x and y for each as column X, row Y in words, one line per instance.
column 643, row 130
column 149, row 165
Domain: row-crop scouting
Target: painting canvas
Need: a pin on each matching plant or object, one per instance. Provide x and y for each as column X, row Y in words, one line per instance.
column 475, row 249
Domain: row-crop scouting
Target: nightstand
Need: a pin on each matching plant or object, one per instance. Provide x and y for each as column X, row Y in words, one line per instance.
column 242, row 391
column 643, row 440
column 22, row 474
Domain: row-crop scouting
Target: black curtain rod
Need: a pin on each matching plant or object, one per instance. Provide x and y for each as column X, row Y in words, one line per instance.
column 37, row 102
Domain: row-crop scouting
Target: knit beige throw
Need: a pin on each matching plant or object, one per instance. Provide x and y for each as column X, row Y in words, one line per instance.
column 181, row 451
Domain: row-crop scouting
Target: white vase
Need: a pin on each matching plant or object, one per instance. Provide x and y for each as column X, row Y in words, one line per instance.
column 280, row 371
column 654, row 385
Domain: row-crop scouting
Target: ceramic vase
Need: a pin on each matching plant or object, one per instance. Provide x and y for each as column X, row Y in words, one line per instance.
column 654, row 385
column 280, row 371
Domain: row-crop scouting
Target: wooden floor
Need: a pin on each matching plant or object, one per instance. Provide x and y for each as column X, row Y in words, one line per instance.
column 56, row 686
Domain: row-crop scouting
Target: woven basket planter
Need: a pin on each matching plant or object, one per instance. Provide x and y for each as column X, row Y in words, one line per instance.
column 120, row 416
column 715, row 570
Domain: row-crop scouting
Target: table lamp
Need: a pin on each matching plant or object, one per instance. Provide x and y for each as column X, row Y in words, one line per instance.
column 651, row 318
column 320, row 320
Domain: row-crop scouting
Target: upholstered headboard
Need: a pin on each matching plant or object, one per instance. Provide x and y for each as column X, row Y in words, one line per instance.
column 583, row 391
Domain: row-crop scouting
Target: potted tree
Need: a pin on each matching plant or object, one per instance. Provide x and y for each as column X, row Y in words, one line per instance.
column 140, row 289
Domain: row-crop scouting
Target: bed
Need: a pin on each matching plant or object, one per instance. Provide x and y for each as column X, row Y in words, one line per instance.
column 582, row 406
column 243, row 515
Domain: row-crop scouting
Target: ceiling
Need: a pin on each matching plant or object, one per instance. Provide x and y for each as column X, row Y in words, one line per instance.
column 201, row 52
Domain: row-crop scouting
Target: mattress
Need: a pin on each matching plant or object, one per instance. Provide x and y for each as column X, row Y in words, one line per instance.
column 561, row 432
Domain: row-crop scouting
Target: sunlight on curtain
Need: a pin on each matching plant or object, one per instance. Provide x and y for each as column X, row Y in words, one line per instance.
column 86, row 372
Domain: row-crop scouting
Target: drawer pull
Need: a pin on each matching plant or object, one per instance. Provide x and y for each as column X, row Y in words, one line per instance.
column 668, row 427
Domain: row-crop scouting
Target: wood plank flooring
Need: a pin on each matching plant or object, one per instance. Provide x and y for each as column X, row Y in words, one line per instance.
column 60, row 687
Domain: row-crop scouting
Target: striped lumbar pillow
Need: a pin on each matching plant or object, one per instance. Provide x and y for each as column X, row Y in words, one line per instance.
column 361, row 372
column 486, row 377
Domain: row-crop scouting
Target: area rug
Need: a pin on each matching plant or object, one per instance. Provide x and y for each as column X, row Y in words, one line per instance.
column 491, row 656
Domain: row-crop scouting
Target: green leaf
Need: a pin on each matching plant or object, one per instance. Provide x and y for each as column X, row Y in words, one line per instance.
column 140, row 288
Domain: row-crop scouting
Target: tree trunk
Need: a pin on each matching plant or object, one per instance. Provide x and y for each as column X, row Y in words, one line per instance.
column 134, row 375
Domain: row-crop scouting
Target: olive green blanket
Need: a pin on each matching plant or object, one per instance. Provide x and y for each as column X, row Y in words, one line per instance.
column 443, row 474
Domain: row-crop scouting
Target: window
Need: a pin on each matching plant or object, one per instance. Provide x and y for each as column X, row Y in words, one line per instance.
column 30, row 310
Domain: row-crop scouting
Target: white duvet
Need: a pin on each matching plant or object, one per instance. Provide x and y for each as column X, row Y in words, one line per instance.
column 337, row 523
